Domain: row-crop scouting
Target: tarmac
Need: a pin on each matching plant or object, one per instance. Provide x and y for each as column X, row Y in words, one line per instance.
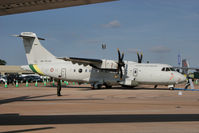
column 82, row 110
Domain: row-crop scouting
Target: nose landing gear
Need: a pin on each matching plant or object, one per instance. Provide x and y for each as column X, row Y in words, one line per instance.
column 171, row 87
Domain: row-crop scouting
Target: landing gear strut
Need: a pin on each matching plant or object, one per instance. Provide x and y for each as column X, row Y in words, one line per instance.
column 108, row 86
column 59, row 88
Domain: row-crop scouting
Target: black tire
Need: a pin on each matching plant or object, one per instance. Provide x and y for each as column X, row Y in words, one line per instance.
column 99, row 86
column 171, row 88
column 108, row 86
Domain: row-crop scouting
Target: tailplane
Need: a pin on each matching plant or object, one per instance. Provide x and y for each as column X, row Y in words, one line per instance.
column 35, row 52
column 185, row 65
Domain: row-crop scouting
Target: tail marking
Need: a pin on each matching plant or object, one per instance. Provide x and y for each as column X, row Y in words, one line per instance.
column 36, row 69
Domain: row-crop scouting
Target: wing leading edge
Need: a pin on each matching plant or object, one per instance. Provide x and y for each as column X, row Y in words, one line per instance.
column 83, row 61
column 106, row 65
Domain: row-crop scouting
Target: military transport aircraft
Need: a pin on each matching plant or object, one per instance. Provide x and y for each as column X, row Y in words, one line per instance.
column 97, row 72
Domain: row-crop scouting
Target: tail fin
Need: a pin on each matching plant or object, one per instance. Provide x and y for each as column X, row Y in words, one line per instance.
column 185, row 64
column 35, row 52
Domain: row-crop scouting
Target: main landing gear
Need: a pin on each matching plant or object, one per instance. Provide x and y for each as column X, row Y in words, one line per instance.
column 99, row 86
column 155, row 86
column 96, row 86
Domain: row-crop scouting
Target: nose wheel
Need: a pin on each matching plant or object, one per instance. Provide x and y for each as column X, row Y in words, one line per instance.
column 171, row 87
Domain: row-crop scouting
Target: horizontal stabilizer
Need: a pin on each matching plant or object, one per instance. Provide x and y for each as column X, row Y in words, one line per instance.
column 28, row 35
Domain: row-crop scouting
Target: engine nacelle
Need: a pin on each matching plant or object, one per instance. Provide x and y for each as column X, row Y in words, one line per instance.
column 108, row 64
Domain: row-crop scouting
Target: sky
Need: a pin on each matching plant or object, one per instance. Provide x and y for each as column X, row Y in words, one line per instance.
column 161, row 29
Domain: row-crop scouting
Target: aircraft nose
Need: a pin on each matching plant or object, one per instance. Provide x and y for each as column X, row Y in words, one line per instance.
column 181, row 78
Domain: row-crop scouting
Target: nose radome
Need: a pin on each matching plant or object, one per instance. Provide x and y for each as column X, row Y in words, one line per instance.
column 179, row 78
column 182, row 78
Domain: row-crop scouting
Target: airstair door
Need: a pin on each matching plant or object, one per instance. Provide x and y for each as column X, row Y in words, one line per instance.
column 63, row 72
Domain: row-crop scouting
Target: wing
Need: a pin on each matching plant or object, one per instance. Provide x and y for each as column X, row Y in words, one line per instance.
column 108, row 65
column 83, row 61
column 20, row 6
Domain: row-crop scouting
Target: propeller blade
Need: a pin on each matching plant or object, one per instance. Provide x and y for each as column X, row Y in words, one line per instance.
column 141, row 57
column 121, row 73
column 122, row 56
column 137, row 54
column 120, row 63
column 119, row 56
column 138, row 57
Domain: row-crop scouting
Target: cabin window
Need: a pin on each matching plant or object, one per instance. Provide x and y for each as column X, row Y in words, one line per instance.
column 80, row 70
column 135, row 72
column 163, row 69
column 167, row 69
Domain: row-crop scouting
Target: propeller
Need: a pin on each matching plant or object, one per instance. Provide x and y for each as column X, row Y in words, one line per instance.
column 120, row 63
column 139, row 57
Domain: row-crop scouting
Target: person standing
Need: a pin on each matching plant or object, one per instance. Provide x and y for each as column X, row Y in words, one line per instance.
column 59, row 87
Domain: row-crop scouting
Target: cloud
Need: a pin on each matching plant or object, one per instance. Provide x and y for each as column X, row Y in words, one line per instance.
column 160, row 49
column 112, row 24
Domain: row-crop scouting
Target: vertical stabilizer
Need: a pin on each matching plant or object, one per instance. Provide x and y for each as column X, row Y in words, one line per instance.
column 185, row 65
column 35, row 52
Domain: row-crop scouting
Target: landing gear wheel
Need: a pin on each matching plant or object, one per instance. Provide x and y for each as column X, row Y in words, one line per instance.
column 171, row 88
column 108, row 86
column 96, row 86
column 93, row 87
column 99, row 86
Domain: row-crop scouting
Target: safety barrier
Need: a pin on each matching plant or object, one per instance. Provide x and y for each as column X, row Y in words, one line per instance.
column 45, row 83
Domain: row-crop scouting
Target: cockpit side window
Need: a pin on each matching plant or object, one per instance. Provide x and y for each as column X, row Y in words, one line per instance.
column 172, row 69
column 167, row 69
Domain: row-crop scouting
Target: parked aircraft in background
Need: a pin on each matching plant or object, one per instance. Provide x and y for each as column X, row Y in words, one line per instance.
column 97, row 72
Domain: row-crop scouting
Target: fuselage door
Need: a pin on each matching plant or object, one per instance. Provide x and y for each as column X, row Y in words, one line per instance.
column 63, row 72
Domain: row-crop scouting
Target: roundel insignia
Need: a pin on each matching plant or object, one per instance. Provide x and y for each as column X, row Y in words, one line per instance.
column 172, row 76
column 51, row 69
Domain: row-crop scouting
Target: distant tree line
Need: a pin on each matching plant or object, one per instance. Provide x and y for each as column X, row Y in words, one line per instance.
column 2, row 62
